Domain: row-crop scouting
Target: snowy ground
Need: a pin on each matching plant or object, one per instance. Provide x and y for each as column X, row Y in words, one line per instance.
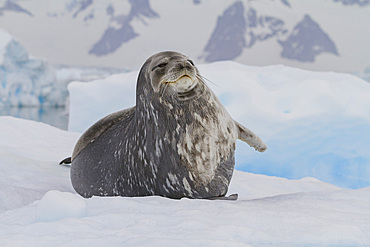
column 314, row 123
column 38, row 206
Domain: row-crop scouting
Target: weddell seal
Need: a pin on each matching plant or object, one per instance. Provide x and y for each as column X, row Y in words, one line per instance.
column 178, row 141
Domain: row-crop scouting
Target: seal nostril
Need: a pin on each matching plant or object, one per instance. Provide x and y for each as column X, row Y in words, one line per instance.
column 187, row 65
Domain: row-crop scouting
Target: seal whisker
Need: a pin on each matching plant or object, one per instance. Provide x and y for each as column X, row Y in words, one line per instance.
column 206, row 79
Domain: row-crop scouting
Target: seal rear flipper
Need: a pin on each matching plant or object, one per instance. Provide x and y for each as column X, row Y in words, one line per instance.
column 232, row 197
column 66, row 161
column 249, row 137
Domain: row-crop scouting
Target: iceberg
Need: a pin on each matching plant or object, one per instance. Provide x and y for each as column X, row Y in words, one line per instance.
column 25, row 81
column 315, row 124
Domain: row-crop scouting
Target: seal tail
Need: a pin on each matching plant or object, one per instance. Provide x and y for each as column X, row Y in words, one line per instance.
column 66, row 161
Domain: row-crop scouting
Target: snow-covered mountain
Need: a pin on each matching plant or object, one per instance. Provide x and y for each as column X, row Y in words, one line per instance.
column 317, row 34
column 240, row 28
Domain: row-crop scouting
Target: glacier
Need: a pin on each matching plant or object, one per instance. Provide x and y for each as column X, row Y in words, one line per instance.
column 315, row 123
column 25, row 81
column 33, row 88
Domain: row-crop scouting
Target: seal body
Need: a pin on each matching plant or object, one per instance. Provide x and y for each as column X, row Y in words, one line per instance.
column 178, row 141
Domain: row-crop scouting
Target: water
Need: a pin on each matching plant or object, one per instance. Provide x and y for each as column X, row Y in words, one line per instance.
column 54, row 116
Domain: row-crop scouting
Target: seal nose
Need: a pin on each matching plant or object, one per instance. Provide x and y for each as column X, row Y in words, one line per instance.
column 184, row 65
column 188, row 65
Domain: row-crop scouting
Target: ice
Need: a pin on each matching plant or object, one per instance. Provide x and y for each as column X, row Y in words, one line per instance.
column 38, row 206
column 25, row 81
column 4, row 41
column 95, row 99
column 315, row 124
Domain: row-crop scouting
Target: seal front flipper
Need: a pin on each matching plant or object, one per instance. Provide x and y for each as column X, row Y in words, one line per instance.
column 251, row 138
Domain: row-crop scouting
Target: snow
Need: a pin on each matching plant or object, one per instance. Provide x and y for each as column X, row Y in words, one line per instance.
column 315, row 124
column 56, row 205
column 32, row 148
column 38, row 206
column 310, row 188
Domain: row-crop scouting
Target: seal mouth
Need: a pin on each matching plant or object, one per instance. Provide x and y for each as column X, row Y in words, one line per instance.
column 186, row 87
column 182, row 84
column 183, row 78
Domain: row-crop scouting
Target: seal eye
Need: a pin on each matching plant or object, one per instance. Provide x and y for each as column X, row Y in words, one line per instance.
column 191, row 62
column 161, row 65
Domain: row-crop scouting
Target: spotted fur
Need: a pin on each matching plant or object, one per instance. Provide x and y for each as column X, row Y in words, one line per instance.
column 178, row 141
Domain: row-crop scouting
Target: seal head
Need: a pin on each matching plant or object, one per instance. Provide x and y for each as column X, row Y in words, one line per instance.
column 177, row 74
